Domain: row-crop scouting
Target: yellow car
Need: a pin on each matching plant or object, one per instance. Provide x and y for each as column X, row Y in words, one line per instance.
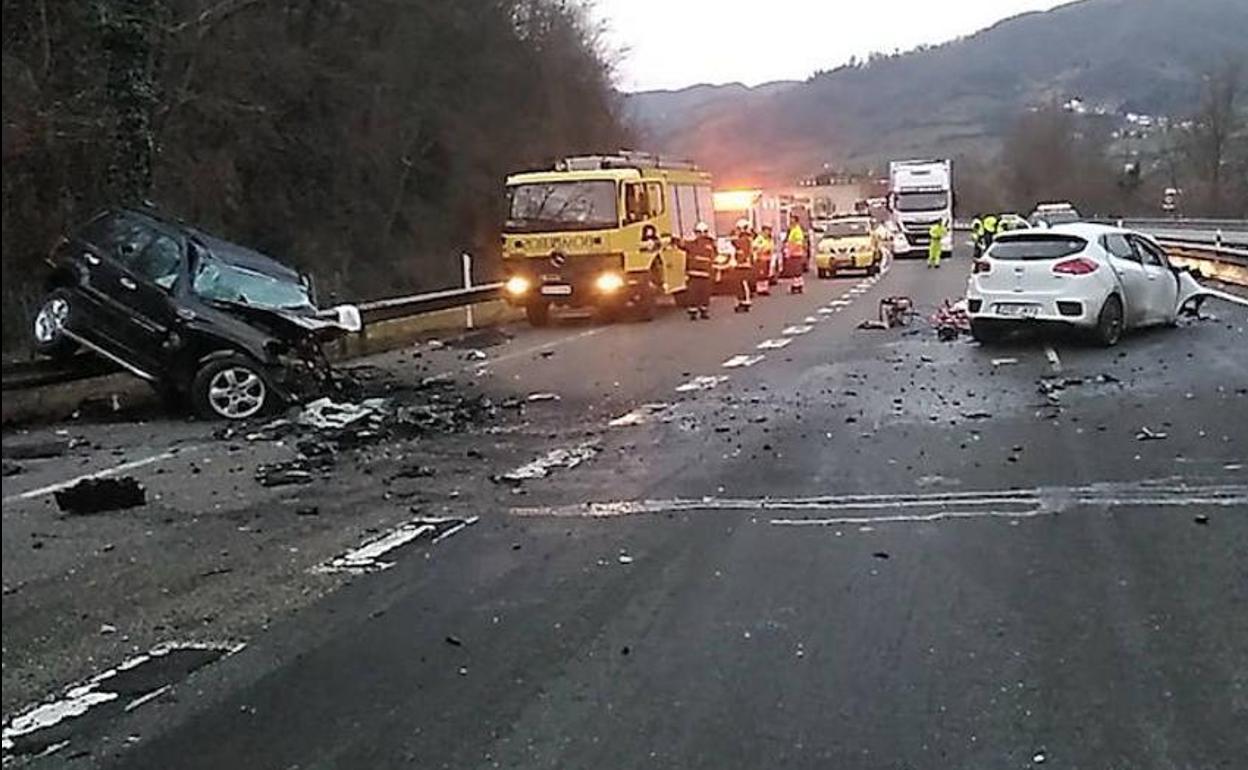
column 847, row 243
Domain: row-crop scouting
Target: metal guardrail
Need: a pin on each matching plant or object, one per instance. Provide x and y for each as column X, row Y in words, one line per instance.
column 23, row 375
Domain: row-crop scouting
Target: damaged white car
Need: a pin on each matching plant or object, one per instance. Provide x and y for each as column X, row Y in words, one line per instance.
column 1101, row 279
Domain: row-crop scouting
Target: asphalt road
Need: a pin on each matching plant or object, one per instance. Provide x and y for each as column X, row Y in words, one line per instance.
column 866, row 549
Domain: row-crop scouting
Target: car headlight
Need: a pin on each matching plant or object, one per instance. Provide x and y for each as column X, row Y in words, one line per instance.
column 609, row 283
column 517, row 285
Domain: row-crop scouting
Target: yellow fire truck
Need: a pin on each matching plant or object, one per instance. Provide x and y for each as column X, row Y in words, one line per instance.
column 597, row 232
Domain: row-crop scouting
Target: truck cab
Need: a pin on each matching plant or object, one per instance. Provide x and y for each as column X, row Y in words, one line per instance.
column 920, row 194
column 596, row 232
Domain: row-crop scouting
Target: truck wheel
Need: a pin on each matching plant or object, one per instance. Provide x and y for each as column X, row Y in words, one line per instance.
column 538, row 313
column 873, row 269
column 233, row 387
column 51, row 317
column 1109, row 323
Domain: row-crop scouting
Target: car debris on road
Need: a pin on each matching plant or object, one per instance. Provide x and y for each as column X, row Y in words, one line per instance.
column 97, row 495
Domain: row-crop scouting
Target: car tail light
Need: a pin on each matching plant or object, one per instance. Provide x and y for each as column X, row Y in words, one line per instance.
column 1076, row 266
column 981, row 266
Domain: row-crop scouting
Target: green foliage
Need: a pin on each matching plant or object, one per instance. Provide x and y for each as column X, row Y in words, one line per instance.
column 364, row 142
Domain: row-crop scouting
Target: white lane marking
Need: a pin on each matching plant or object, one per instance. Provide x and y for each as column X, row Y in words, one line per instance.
column 857, row 290
column 794, row 331
column 79, row 698
column 839, row 303
column 456, row 529
column 560, row 457
column 774, row 344
column 703, row 382
column 113, row 471
column 826, row 311
column 1051, row 499
column 639, row 416
column 846, row 297
column 534, row 349
column 810, row 319
column 742, row 361
column 1054, row 361
column 367, row 557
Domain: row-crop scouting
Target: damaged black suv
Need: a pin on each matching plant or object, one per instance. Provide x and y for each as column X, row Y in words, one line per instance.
column 203, row 320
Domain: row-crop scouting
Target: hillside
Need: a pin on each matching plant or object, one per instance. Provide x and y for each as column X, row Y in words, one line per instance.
column 1143, row 56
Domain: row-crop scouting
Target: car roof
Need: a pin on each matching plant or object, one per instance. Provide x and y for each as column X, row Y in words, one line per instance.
column 226, row 251
column 1088, row 231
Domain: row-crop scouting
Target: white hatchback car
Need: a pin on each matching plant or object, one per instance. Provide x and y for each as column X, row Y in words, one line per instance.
column 1102, row 279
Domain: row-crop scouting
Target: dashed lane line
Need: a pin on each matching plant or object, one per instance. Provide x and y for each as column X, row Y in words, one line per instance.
column 796, row 330
column 742, row 361
column 774, row 344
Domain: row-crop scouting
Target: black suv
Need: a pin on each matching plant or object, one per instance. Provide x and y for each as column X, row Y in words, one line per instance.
column 228, row 328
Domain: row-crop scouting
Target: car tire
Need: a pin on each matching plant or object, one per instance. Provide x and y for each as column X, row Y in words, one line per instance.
column 538, row 313
column 986, row 332
column 231, row 387
column 53, row 313
column 1109, row 323
column 873, row 268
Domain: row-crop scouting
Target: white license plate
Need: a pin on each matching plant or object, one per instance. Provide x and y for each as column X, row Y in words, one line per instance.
column 557, row 290
column 1018, row 310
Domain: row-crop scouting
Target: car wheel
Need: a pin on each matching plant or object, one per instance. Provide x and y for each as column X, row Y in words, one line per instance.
column 987, row 332
column 233, row 387
column 538, row 313
column 1109, row 323
column 873, row 269
column 50, row 319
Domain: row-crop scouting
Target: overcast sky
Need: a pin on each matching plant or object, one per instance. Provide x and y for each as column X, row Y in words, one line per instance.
column 677, row 43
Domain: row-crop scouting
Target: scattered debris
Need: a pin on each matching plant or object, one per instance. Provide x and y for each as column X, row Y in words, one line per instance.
column 454, row 641
column 107, row 628
column 327, row 414
column 556, row 458
column 297, row 471
column 101, row 494
column 871, row 323
column 1148, row 434
column 435, row 344
column 474, row 355
column 1201, row 519
column 625, row 559
column 368, row 556
column 880, row 555
column 896, row 311
column 307, row 510
column 1004, row 361
column 976, row 415
column 12, row 469
column 638, row 416
column 416, row 472
column 534, row 398
column 951, row 320
column 35, row 450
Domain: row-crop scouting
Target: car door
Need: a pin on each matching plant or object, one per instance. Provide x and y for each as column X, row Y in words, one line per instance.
column 1163, row 288
column 1128, row 266
column 108, row 245
column 147, row 285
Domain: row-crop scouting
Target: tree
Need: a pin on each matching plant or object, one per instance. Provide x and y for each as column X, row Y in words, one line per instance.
column 1214, row 136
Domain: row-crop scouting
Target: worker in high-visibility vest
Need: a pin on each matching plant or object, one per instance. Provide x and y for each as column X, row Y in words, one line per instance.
column 743, row 265
column 990, row 230
column 764, row 248
column 795, row 254
column 937, row 232
column 977, row 235
column 699, row 265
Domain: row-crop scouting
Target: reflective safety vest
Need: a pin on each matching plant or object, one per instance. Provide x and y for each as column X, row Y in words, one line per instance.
column 764, row 247
column 795, row 242
column 699, row 256
column 990, row 224
column 937, row 232
column 977, row 227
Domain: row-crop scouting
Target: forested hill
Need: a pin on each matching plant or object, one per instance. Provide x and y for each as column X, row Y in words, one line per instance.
column 364, row 141
column 1143, row 56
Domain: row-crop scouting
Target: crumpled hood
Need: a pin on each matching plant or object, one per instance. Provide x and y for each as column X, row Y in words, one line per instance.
column 324, row 326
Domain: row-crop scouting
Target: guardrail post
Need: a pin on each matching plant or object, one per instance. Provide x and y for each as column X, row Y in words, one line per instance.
column 467, row 264
column 1217, row 238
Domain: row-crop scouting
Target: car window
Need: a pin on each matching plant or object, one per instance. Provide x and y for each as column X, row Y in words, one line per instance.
column 118, row 236
column 159, row 262
column 1118, row 246
column 1028, row 247
column 1149, row 253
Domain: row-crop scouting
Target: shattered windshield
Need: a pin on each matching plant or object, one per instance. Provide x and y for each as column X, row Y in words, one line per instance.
column 586, row 205
column 221, row 281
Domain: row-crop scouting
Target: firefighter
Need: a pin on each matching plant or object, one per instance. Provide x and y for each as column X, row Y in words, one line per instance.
column 699, row 262
column 764, row 248
column 937, row 233
column 743, row 272
column 795, row 254
column 977, row 235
